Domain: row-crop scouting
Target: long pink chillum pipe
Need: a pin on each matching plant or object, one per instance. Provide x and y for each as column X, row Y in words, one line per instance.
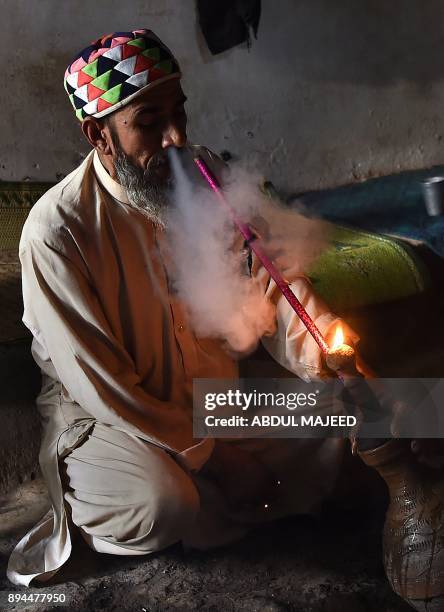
column 263, row 258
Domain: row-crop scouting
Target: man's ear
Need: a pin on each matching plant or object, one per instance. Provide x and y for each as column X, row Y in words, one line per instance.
column 98, row 135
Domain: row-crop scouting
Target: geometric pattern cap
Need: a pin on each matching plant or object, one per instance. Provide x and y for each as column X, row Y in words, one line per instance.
column 114, row 69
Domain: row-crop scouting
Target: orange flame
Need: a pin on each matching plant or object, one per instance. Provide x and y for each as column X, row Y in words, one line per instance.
column 338, row 338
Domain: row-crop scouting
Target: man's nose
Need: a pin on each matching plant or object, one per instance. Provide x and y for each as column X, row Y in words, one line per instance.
column 174, row 135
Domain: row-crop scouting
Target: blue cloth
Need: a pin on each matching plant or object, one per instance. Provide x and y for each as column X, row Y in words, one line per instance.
column 388, row 205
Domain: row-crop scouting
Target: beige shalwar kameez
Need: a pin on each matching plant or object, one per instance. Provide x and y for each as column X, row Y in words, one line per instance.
column 118, row 359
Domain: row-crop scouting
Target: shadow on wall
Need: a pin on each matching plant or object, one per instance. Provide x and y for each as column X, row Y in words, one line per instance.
column 370, row 41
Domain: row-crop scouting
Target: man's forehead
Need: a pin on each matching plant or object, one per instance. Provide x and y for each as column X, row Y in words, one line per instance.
column 162, row 96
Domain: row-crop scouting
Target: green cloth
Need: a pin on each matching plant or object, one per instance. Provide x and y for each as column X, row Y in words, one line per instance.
column 359, row 268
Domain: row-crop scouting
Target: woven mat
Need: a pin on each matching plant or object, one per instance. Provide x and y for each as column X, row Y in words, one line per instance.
column 16, row 200
column 11, row 303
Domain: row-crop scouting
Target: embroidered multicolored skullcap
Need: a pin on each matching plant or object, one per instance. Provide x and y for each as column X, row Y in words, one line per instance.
column 114, row 69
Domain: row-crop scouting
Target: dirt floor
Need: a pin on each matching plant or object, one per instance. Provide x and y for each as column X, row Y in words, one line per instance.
column 328, row 564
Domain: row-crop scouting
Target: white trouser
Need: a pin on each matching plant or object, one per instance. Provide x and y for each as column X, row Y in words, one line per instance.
column 130, row 497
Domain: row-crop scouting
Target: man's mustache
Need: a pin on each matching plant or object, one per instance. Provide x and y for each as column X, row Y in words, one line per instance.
column 157, row 161
column 162, row 159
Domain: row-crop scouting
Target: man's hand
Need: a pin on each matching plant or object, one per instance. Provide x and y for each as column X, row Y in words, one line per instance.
column 245, row 480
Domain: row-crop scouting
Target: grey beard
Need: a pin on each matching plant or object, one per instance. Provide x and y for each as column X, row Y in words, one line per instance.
column 144, row 191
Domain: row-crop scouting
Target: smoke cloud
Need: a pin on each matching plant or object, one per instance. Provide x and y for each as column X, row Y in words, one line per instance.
column 211, row 272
